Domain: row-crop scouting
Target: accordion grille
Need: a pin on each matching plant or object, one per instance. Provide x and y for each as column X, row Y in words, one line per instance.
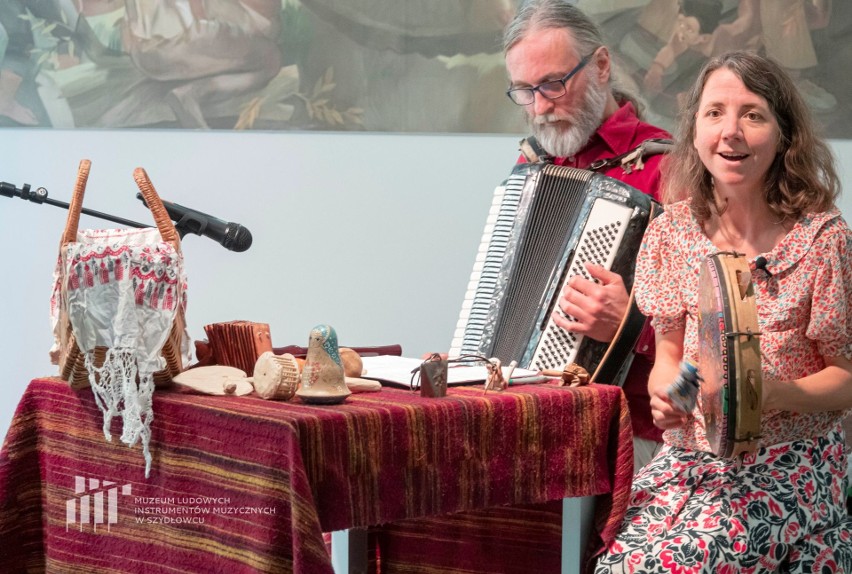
column 554, row 207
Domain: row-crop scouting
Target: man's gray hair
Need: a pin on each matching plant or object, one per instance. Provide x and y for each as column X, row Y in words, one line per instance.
column 535, row 15
column 545, row 14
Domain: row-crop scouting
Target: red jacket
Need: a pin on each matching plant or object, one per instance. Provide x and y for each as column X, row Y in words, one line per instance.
column 620, row 133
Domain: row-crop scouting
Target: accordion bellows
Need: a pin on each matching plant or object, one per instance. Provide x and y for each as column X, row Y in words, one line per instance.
column 238, row 343
column 545, row 223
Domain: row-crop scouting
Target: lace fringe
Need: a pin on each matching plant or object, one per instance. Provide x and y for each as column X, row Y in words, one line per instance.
column 117, row 393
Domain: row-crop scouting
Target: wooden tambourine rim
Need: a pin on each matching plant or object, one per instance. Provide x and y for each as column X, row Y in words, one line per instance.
column 721, row 303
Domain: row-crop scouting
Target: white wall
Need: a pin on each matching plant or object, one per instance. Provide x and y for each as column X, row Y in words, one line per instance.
column 371, row 233
column 843, row 152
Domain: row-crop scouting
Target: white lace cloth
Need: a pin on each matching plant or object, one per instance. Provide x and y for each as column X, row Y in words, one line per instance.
column 122, row 290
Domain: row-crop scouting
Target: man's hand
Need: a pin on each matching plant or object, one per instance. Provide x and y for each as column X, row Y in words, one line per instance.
column 597, row 308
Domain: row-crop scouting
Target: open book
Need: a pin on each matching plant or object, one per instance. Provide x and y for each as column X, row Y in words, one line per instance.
column 396, row 371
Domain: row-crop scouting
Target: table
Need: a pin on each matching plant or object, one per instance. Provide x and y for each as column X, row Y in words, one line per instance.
column 241, row 484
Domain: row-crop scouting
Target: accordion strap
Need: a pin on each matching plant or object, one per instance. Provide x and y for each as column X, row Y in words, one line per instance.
column 618, row 356
column 629, row 161
column 635, row 158
column 533, row 152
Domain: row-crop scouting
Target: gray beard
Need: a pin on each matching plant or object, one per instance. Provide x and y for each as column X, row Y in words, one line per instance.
column 565, row 141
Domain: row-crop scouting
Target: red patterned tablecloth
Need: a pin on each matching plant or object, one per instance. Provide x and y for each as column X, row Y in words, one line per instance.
column 240, row 484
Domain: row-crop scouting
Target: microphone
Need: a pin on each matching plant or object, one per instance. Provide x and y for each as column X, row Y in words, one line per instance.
column 760, row 263
column 232, row 236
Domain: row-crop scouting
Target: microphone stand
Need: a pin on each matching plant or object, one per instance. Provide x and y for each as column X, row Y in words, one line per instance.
column 39, row 196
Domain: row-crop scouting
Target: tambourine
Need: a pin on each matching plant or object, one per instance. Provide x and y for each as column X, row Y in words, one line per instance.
column 729, row 354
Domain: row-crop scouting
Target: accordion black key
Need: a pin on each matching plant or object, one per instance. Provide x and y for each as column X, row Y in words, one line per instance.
column 545, row 222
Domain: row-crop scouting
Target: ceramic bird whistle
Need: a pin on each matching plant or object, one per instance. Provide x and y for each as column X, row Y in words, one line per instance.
column 323, row 380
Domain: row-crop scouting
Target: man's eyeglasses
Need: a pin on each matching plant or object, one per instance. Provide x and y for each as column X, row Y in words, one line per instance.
column 550, row 90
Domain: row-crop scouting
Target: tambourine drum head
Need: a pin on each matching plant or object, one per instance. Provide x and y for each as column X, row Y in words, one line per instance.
column 713, row 357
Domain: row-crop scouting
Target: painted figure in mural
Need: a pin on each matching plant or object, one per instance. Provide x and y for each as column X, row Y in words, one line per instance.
column 369, row 64
column 396, row 59
column 674, row 37
column 693, row 29
column 560, row 73
column 10, row 83
column 748, row 174
column 783, row 28
column 786, row 27
column 90, row 59
column 19, row 103
column 212, row 49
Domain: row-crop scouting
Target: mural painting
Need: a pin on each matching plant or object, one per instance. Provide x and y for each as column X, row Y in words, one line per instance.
column 372, row 65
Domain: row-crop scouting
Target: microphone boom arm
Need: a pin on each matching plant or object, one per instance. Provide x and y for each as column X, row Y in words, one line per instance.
column 39, row 196
column 231, row 236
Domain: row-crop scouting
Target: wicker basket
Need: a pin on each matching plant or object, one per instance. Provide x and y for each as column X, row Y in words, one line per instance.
column 71, row 359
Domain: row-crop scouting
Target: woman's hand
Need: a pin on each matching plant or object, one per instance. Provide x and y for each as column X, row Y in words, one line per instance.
column 665, row 414
column 666, row 370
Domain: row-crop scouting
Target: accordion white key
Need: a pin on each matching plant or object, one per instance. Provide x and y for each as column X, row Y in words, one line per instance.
column 545, row 222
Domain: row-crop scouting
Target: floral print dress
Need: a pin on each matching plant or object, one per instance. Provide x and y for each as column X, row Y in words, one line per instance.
column 781, row 508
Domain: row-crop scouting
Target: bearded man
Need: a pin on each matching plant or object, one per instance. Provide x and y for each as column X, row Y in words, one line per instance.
column 560, row 73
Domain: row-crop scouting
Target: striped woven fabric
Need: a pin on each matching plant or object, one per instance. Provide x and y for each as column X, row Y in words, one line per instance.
column 240, row 484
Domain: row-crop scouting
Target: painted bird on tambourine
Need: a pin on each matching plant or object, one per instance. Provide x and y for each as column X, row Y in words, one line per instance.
column 323, row 379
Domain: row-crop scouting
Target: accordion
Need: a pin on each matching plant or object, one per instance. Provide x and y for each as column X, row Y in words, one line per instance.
column 545, row 222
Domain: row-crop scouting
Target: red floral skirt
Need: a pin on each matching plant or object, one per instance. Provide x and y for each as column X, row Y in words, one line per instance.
column 781, row 509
